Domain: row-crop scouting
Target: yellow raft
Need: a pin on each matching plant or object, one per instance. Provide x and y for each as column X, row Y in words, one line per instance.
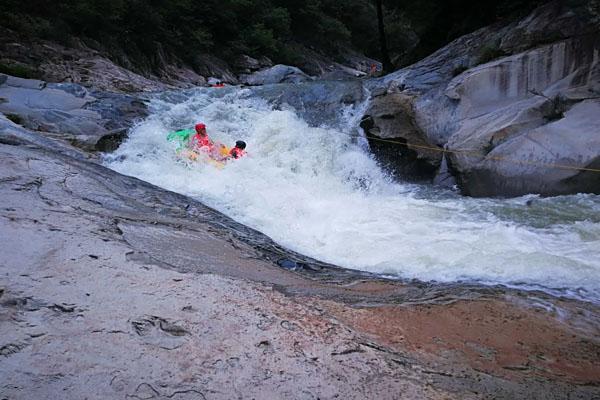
column 217, row 160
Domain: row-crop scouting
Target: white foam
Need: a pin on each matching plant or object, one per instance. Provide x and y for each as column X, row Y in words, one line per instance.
column 316, row 191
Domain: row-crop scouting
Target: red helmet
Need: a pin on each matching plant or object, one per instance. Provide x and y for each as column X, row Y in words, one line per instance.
column 200, row 127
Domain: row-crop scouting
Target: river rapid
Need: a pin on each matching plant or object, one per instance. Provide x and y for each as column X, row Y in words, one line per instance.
column 318, row 191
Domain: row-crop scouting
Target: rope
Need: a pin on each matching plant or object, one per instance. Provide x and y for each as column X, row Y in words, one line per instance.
column 476, row 153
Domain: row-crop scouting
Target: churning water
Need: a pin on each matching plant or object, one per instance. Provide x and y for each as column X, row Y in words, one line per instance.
column 319, row 192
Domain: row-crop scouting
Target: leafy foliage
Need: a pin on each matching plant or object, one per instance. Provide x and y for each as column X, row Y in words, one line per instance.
column 416, row 29
column 17, row 70
column 489, row 53
column 145, row 33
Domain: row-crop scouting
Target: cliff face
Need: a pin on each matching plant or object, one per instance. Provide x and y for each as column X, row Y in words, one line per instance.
column 514, row 107
column 523, row 113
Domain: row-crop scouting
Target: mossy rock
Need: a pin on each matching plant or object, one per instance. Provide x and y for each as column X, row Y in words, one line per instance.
column 489, row 53
column 459, row 70
column 15, row 118
column 18, row 70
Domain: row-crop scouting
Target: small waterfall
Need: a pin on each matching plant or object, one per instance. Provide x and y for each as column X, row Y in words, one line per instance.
column 318, row 191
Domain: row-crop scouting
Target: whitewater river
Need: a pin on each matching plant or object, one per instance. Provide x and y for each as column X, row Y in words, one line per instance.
column 319, row 192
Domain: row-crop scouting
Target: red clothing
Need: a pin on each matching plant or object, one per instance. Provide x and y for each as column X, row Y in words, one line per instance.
column 237, row 152
column 199, row 141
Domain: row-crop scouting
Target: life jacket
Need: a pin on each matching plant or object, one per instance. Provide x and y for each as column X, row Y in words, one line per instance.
column 199, row 141
column 237, row 152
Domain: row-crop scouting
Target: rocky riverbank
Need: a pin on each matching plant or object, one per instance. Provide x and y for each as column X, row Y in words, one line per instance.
column 507, row 110
column 93, row 69
column 112, row 287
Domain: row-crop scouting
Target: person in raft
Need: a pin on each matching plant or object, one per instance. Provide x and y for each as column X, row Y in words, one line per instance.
column 201, row 140
column 238, row 150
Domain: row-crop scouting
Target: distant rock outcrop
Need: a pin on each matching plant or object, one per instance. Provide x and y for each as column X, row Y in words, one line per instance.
column 90, row 119
column 515, row 108
column 90, row 67
column 277, row 74
column 246, row 65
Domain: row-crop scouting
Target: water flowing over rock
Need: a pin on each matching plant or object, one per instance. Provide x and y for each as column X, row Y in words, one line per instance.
column 110, row 281
column 515, row 113
column 318, row 102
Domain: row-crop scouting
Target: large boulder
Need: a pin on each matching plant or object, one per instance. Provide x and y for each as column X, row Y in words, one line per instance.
column 245, row 64
column 53, row 62
column 403, row 150
column 181, row 76
column 277, row 74
column 101, row 73
column 92, row 120
column 528, row 122
column 487, row 93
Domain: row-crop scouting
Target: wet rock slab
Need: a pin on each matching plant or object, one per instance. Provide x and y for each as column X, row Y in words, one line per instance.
column 512, row 107
column 90, row 119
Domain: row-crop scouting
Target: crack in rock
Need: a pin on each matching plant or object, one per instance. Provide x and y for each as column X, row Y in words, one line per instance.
column 160, row 332
column 145, row 391
column 23, row 303
column 12, row 348
column 64, row 307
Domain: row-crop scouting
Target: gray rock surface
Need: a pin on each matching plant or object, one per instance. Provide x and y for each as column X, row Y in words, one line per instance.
column 348, row 63
column 80, row 64
column 245, row 64
column 211, row 66
column 181, row 76
column 276, row 74
column 392, row 117
column 90, row 119
column 521, row 115
column 499, row 89
column 114, row 288
column 83, row 65
column 318, row 102
column 85, row 314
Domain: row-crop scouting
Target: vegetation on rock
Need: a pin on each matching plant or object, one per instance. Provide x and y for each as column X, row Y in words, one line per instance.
column 144, row 35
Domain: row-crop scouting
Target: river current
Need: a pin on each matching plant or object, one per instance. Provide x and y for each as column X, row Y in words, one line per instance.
column 318, row 191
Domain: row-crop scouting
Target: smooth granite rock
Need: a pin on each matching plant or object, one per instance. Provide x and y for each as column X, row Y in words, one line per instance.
column 275, row 74
column 505, row 85
column 90, row 119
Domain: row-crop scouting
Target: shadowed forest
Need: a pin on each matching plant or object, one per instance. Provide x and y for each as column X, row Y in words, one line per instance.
column 140, row 34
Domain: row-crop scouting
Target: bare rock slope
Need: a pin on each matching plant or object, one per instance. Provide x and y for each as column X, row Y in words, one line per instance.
column 88, row 118
column 514, row 107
